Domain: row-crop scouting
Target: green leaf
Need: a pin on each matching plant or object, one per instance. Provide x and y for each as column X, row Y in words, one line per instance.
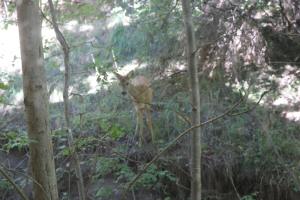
column 3, row 86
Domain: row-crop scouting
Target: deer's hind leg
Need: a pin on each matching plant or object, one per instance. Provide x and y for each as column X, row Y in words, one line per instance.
column 139, row 126
column 149, row 124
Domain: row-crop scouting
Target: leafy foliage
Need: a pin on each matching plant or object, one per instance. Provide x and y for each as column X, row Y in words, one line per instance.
column 3, row 86
column 152, row 35
column 152, row 177
column 106, row 166
column 104, row 193
column 5, row 185
column 114, row 130
column 14, row 140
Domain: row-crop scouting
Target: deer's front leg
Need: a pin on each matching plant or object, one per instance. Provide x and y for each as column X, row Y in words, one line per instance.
column 149, row 124
column 139, row 126
column 136, row 133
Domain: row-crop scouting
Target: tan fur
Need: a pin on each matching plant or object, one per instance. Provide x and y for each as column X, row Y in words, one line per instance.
column 141, row 93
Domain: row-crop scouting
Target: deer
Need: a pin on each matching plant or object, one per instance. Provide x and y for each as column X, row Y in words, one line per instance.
column 140, row 91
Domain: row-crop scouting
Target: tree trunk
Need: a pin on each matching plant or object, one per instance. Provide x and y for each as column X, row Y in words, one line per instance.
column 36, row 101
column 195, row 101
column 130, row 9
column 65, row 48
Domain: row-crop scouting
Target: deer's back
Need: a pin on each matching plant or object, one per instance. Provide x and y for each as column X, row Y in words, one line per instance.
column 140, row 90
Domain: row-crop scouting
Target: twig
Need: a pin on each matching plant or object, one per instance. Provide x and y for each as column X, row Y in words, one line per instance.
column 232, row 183
column 45, row 17
column 133, row 195
column 125, row 157
column 251, row 109
column 184, row 118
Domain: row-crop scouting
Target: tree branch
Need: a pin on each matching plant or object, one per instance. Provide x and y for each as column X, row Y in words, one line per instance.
column 251, row 109
column 11, row 181
column 28, row 177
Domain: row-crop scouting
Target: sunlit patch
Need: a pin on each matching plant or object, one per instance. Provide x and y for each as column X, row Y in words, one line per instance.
column 93, row 84
column 174, row 67
column 86, row 27
column 56, row 96
column 259, row 15
column 281, row 101
column 289, row 87
column 10, row 53
column 179, row 66
column 292, row 116
column 118, row 17
column 70, row 26
column 48, row 33
column 18, row 98
column 131, row 66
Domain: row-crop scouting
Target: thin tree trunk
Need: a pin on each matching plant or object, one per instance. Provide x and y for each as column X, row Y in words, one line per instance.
column 195, row 101
column 65, row 47
column 130, row 9
column 36, row 100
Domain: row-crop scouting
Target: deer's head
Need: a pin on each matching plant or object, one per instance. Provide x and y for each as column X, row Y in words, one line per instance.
column 124, row 81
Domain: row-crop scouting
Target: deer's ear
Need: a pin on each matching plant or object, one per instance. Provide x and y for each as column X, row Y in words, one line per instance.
column 130, row 74
column 119, row 76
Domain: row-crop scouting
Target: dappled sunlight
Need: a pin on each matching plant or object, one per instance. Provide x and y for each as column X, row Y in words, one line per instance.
column 292, row 116
column 252, row 74
column 92, row 83
column 10, row 65
column 174, row 67
column 289, row 87
column 18, row 98
column 74, row 26
column 288, row 84
column 133, row 65
column 10, row 59
column 48, row 34
column 289, row 93
column 56, row 96
column 118, row 17
column 10, row 62
column 71, row 25
column 10, row 51
column 281, row 101
column 86, row 27
column 287, row 97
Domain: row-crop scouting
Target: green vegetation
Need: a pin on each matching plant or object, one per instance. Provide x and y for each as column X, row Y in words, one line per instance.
column 14, row 141
column 243, row 50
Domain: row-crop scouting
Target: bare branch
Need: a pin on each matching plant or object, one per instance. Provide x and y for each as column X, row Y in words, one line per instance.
column 251, row 109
